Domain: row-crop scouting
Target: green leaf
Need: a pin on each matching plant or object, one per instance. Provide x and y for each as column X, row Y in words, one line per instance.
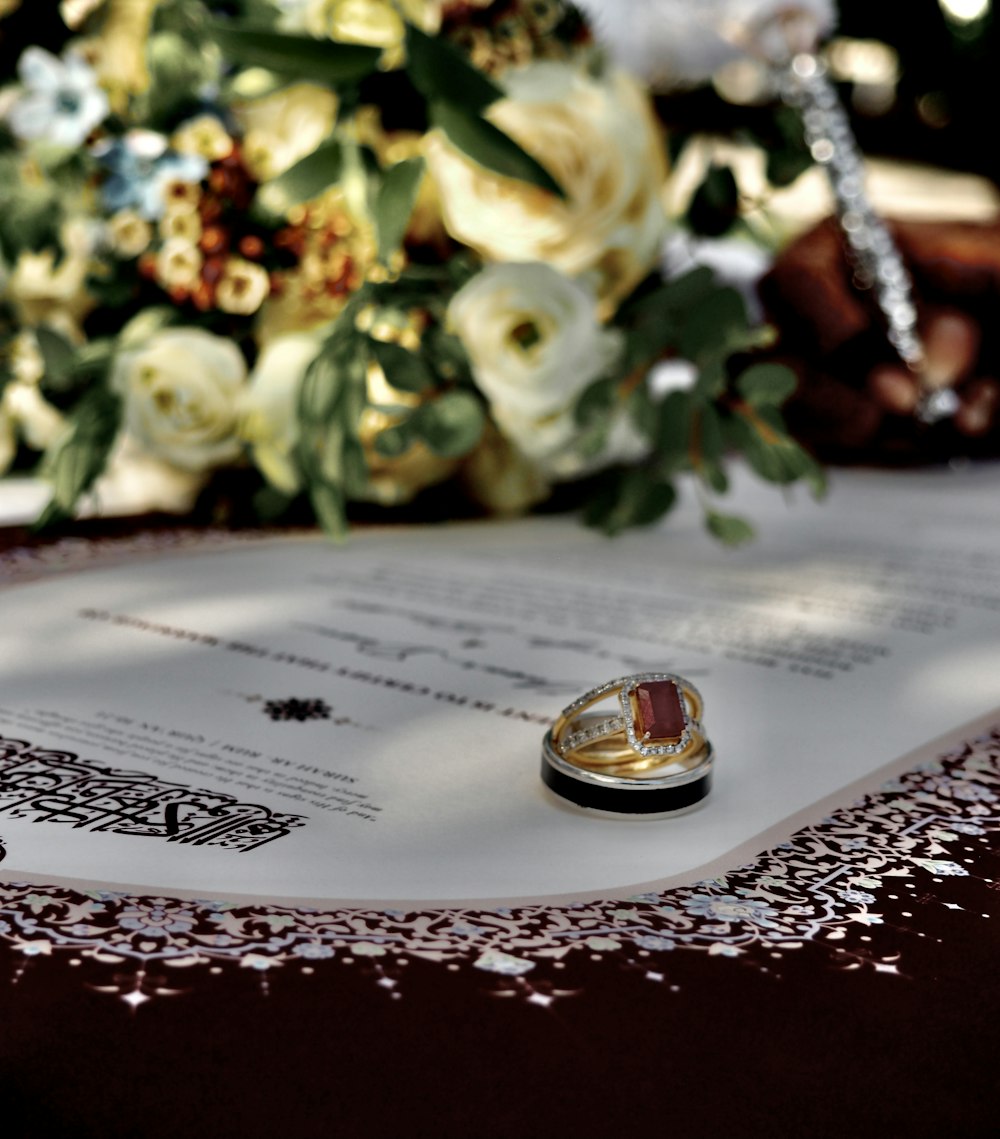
column 403, row 369
column 395, row 441
column 320, row 389
column 442, row 73
column 771, row 452
column 394, row 204
column 58, row 356
column 30, row 219
column 596, row 402
column 715, row 325
column 451, row 424
column 632, row 496
column 711, row 381
column 642, row 411
column 710, row 444
column 673, row 429
column 79, row 457
column 715, row 204
column 490, row 147
column 689, row 289
column 766, row 384
column 728, row 528
column 307, row 178
column 330, row 508
column 320, row 60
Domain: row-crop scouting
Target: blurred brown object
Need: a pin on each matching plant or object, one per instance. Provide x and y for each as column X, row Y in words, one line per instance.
column 855, row 399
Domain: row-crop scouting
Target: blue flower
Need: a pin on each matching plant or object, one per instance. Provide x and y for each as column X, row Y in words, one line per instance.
column 729, row 908
column 157, row 921
column 313, row 952
column 140, row 168
column 966, row 828
column 61, row 102
column 858, row 896
column 651, row 941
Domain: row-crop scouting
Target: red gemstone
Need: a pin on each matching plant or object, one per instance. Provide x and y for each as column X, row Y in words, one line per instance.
column 661, row 712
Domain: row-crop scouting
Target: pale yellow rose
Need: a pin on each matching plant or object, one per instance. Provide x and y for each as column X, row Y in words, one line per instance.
column 129, row 234
column 182, row 391
column 120, row 49
column 243, row 287
column 178, row 264
column 205, row 136
column 25, row 414
column 534, row 343
column 281, row 128
column 269, row 423
column 379, row 23
column 599, row 140
column 44, row 291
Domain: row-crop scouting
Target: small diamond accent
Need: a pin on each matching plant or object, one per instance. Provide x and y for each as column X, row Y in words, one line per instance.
column 624, row 687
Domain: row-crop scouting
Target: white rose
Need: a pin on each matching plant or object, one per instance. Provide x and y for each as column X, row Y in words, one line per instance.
column 534, row 343
column 182, row 392
column 135, row 482
column 281, row 128
column 676, row 43
column 269, row 422
column 599, row 140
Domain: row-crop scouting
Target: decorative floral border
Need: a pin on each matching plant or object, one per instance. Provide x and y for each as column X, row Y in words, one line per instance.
column 826, row 881
column 826, row 878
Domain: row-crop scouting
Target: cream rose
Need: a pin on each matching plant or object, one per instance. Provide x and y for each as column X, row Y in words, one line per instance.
column 599, row 140
column 379, row 23
column 269, row 422
column 182, row 391
column 535, row 343
column 281, row 128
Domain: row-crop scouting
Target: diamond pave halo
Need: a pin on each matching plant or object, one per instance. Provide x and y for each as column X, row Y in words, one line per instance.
column 658, row 712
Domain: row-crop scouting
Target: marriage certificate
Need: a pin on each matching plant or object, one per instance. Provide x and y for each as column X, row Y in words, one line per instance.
column 286, row 718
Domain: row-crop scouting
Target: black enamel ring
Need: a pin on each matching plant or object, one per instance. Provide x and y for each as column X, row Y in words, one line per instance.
column 624, row 796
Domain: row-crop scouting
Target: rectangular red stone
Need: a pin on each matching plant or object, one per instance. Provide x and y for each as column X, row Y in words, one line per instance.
column 660, row 710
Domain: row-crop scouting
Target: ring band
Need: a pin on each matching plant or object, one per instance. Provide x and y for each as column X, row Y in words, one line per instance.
column 650, row 759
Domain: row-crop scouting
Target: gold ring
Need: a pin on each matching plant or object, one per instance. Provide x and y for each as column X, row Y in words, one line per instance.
column 647, row 757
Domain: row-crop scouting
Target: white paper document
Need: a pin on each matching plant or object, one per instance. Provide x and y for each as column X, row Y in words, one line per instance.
column 292, row 719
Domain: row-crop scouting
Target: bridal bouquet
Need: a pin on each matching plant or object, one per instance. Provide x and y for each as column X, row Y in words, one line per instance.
column 338, row 251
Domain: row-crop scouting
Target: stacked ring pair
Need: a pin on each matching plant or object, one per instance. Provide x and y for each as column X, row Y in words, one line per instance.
column 647, row 758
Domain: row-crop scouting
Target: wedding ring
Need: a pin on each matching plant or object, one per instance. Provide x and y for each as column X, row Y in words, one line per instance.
column 648, row 757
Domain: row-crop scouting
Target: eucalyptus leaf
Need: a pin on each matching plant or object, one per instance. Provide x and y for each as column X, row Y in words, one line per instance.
column 490, row 147
column 58, row 357
column 403, row 369
column 443, row 73
column 673, row 429
column 451, row 424
column 766, row 384
column 596, row 402
column 394, row 441
column 394, row 204
column 715, row 204
column 329, row 507
column 320, row 60
column 80, row 455
column 728, row 528
column 716, row 325
column 629, row 497
column 307, row 178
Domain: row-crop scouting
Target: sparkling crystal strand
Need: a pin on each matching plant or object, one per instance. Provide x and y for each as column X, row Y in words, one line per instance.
column 804, row 85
